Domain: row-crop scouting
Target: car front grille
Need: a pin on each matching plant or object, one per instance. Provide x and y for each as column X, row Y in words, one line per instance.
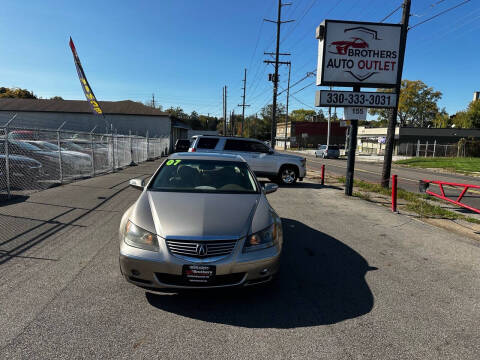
column 201, row 249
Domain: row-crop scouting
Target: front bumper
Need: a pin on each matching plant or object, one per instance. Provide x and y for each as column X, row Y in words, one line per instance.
column 163, row 270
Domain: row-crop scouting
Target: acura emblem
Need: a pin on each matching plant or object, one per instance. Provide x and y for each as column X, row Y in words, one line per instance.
column 201, row 249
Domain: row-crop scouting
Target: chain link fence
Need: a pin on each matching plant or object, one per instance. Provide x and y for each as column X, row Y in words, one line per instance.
column 34, row 159
column 432, row 149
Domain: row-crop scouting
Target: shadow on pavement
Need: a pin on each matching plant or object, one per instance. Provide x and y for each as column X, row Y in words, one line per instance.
column 322, row 281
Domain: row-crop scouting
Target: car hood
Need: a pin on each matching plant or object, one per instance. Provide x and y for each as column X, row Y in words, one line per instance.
column 195, row 215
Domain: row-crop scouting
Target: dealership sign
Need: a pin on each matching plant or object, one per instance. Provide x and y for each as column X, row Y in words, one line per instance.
column 358, row 54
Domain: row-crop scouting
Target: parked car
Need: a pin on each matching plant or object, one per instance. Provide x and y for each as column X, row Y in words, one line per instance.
column 24, row 172
column 330, row 151
column 182, row 145
column 48, row 159
column 75, row 162
column 101, row 153
column 265, row 162
column 202, row 221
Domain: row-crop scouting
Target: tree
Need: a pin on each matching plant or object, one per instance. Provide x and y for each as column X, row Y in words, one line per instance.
column 442, row 119
column 469, row 118
column 56, row 98
column 302, row 115
column 417, row 105
column 194, row 121
column 177, row 112
column 16, row 93
column 263, row 126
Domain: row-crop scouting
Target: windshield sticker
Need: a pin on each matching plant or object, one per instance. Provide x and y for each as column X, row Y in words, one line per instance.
column 173, row 162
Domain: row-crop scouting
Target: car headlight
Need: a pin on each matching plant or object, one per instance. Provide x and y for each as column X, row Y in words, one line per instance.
column 137, row 237
column 266, row 238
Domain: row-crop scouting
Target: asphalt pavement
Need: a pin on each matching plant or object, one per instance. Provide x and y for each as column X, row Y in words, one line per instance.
column 408, row 178
column 356, row 282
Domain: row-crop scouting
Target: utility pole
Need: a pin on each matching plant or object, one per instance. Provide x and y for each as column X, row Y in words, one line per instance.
column 243, row 101
column 389, row 143
column 286, row 116
column 153, row 101
column 232, row 123
column 275, row 76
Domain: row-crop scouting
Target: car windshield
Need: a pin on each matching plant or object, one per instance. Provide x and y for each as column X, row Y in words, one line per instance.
column 211, row 176
column 332, row 147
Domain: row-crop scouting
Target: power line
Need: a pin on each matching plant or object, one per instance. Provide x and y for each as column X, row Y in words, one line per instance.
column 299, row 20
column 303, row 88
column 437, row 15
column 390, row 14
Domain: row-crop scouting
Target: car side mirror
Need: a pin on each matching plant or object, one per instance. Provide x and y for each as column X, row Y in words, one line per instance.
column 270, row 188
column 138, row 184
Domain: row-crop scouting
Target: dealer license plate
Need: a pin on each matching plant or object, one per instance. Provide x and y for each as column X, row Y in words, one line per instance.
column 198, row 273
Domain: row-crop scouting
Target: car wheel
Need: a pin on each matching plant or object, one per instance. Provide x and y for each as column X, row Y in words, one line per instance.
column 288, row 175
column 323, row 156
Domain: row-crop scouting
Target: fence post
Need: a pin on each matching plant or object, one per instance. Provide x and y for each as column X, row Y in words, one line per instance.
column 434, row 147
column 406, row 150
column 323, row 174
column 59, row 157
column 60, row 166
column 394, row 193
column 132, row 162
column 148, row 154
column 426, row 148
column 92, row 148
column 113, row 152
column 7, row 158
column 7, row 162
column 418, row 148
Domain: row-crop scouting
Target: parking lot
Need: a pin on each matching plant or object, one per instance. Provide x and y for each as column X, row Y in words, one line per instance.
column 356, row 282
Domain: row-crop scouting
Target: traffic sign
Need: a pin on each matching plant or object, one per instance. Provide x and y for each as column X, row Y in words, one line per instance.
column 355, row 99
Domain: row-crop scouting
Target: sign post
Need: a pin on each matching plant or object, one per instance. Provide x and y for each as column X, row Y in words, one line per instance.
column 352, row 147
column 357, row 54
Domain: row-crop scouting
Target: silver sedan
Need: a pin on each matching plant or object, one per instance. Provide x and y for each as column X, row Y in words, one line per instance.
column 202, row 221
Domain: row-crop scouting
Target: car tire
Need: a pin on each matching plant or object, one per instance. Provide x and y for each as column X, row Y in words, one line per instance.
column 288, row 175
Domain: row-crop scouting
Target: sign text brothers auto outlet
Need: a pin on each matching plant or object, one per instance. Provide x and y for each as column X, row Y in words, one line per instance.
column 353, row 53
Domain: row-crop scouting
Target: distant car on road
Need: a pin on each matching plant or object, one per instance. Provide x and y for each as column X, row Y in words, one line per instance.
column 182, row 145
column 263, row 160
column 332, row 151
column 202, row 221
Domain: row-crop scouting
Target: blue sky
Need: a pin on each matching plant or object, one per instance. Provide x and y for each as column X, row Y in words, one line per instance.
column 185, row 51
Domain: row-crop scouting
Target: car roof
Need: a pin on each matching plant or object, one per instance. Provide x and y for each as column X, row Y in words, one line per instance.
column 225, row 137
column 206, row 156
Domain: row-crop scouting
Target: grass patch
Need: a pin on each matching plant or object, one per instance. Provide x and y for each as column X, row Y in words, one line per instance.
column 425, row 209
column 464, row 165
column 361, row 195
